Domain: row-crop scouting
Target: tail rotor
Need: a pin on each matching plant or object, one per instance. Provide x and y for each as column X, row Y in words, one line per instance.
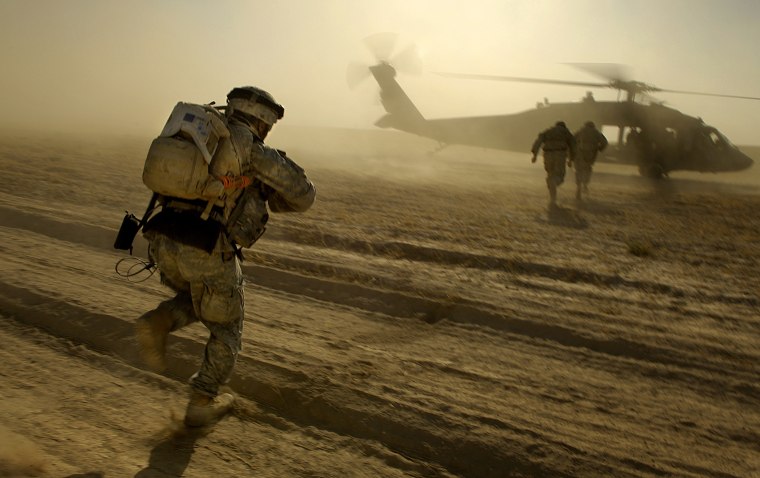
column 382, row 47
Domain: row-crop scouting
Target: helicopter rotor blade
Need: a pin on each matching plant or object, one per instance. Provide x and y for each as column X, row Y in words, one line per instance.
column 356, row 73
column 521, row 79
column 408, row 61
column 645, row 97
column 709, row 94
column 382, row 45
column 608, row 71
column 617, row 74
column 620, row 74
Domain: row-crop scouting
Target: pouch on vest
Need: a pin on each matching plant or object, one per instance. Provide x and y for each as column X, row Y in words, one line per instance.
column 178, row 160
column 130, row 225
column 187, row 228
column 248, row 220
column 127, row 233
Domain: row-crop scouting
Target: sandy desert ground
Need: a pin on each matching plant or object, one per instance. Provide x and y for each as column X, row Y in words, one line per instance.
column 428, row 317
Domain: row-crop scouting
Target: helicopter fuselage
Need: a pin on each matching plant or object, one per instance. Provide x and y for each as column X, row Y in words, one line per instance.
column 663, row 139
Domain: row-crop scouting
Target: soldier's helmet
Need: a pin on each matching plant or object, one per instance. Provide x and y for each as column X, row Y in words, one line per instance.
column 255, row 102
column 560, row 123
column 590, row 124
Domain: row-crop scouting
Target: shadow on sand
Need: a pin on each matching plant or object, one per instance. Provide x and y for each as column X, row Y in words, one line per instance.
column 663, row 189
column 565, row 217
column 171, row 456
column 600, row 208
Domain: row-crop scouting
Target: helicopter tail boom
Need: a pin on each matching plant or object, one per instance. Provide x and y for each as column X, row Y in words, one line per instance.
column 401, row 112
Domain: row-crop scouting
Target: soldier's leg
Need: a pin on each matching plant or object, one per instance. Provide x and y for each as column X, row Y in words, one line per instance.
column 581, row 174
column 555, row 174
column 219, row 357
column 552, row 186
column 552, row 194
column 219, row 302
column 561, row 171
column 153, row 327
column 551, row 180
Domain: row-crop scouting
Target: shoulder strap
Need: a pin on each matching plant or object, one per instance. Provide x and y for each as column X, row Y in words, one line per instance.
column 242, row 143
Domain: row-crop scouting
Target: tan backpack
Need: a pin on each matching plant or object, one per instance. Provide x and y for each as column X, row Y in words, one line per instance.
column 179, row 159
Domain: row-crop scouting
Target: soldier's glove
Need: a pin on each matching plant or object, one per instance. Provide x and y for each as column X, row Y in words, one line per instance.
column 235, row 182
column 569, row 163
column 533, row 159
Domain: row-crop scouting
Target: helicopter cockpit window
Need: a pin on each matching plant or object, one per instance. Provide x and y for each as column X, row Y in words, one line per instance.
column 718, row 139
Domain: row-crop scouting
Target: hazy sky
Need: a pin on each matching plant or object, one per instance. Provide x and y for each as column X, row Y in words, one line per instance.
column 121, row 65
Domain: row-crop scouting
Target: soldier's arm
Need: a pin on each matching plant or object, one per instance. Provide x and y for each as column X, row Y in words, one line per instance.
column 572, row 145
column 602, row 142
column 537, row 144
column 293, row 192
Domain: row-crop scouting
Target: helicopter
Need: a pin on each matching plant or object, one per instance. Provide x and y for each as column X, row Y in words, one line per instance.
column 654, row 137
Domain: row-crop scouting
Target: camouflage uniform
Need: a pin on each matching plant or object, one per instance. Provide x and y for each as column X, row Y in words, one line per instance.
column 589, row 141
column 557, row 143
column 209, row 289
column 208, row 280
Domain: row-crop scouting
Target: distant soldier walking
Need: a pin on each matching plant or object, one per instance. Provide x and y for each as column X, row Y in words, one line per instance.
column 589, row 142
column 558, row 145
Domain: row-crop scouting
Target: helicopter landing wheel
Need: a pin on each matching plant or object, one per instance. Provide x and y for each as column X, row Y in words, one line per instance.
column 651, row 170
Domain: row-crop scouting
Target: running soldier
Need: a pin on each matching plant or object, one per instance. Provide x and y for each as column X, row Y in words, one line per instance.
column 199, row 256
column 559, row 149
column 590, row 142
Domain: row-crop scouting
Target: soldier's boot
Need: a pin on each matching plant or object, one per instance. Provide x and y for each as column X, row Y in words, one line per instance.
column 203, row 410
column 578, row 195
column 152, row 330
